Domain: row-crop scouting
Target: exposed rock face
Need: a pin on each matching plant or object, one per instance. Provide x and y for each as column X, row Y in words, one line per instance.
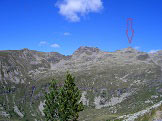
column 132, row 117
column 87, row 50
column 16, row 110
column 143, row 57
column 41, row 107
column 107, row 79
column 157, row 57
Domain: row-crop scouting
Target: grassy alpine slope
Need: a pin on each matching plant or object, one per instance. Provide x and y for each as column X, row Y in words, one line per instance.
column 113, row 84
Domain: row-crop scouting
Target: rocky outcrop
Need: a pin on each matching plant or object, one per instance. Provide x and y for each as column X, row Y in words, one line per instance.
column 128, row 77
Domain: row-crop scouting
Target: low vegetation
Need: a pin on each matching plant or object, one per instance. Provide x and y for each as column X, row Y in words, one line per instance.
column 151, row 115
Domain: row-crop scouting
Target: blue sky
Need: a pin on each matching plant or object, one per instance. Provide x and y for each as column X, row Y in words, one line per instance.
column 65, row 25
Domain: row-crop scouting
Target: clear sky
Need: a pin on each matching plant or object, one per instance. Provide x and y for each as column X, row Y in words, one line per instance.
column 65, row 25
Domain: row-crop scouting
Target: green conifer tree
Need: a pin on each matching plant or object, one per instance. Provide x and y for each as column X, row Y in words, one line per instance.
column 63, row 104
column 72, row 104
column 51, row 107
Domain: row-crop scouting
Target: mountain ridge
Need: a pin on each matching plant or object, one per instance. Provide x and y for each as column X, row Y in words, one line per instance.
column 81, row 48
column 112, row 83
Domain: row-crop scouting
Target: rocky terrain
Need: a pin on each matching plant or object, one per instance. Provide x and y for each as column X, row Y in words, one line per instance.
column 123, row 85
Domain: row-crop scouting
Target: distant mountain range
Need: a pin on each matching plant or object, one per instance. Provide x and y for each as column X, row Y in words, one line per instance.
column 113, row 84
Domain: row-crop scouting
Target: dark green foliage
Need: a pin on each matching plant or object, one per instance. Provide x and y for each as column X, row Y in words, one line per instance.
column 52, row 102
column 63, row 104
column 71, row 96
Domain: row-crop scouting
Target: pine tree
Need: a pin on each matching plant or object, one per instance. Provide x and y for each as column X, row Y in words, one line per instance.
column 63, row 104
column 71, row 94
column 51, row 108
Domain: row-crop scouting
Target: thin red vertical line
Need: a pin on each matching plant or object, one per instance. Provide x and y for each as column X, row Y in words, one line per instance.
column 130, row 21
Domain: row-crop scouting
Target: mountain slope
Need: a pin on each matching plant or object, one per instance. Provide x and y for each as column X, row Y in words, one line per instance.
column 112, row 83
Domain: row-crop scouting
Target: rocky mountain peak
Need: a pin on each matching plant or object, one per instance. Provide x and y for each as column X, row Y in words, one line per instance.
column 159, row 52
column 25, row 49
column 129, row 50
column 87, row 50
